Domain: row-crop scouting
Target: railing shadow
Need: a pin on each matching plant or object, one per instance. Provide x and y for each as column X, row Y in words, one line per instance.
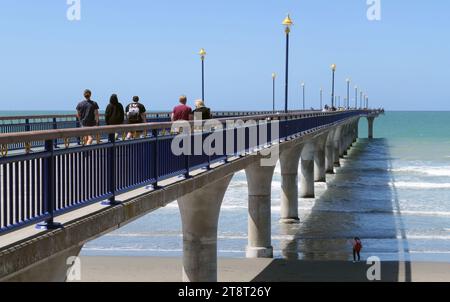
column 360, row 201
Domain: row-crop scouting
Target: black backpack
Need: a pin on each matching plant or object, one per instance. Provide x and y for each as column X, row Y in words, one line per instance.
column 134, row 114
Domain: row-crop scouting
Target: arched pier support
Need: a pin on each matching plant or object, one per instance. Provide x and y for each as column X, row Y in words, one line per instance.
column 200, row 217
column 307, row 171
column 259, row 181
column 289, row 161
column 319, row 159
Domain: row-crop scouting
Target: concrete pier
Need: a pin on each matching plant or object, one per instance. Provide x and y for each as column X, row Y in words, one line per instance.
column 329, row 153
column 319, row 160
column 337, row 146
column 289, row 161
column 371, row 120
column 259, row 181
column 307, row 171
column 200, row 217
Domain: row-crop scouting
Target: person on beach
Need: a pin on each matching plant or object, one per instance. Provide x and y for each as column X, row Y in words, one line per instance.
column 135, row 115
column 357, row 247
column 182, row 112
column 87, row 114
column 114, row 114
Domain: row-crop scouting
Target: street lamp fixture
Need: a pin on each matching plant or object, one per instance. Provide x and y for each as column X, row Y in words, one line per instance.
column 274, row 77
column 287, row 23
column 202, row 54
column 333, row 69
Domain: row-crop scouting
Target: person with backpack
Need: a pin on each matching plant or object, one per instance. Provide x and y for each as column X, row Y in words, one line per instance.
column 357, row 247
column 135, row 114
column 114, row 114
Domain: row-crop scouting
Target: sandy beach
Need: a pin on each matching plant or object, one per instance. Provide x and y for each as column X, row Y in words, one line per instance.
column 156, row 269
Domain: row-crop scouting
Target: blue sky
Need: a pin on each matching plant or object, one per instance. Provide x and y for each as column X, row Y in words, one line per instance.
column 149, row 48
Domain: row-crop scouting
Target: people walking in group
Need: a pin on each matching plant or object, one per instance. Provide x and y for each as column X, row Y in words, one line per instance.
column 357, row 247
column 114, row 114
column 201, row 111
column 136, row 114
column 182, row 112
column 87, row 114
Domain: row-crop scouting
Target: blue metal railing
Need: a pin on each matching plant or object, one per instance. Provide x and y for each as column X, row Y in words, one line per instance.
column 37, row 187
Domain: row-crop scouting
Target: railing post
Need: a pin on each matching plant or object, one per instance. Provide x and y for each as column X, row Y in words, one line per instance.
column 155, row 158
column 112, row 169
column 77, row 125
column 55, row 126
column 48, row 188
column 27, row 125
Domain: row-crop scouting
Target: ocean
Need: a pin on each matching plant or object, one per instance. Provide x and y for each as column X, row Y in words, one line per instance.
column 393, row 192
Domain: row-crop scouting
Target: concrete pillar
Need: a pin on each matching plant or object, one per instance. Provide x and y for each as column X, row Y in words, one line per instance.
column 319, row 160
column 371, row 119
column 356, row 130
column 343, row 144
column 259, row 181
column 307, row 171
column 54, row 269
column 289, row 161
column 200, row 217
column 329, row 153
column 337, row 146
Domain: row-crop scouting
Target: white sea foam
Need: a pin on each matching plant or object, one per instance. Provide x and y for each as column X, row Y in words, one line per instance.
column 419, row 185
column 424, row 170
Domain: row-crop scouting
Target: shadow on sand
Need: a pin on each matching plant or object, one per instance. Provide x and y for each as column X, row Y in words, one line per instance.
column 360, row 201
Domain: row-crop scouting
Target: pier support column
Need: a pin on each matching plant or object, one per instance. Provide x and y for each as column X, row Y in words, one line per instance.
column 319, row 160
column 329, row 153
column 343, row 145
column 371, row 119
column 200, row 217
column 337, row 146
column 259, row 181
column 289, row 160
column 356, row 131
column 307, row 171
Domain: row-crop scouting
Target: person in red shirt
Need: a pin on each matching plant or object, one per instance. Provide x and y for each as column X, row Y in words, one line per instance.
column 357, row 247
column 182, row 112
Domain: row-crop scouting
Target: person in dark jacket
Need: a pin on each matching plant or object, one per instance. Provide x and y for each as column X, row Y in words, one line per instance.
column 202, row 111
column 114, row 114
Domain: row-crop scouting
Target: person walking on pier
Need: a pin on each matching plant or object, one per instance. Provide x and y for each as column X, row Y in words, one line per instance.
column 182, row 112
column 135, row 114
column 357, row 247
column 87, row 114
column 114, row 114
column 201, row 111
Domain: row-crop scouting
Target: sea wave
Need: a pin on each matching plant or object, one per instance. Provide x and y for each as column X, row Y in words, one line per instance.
column 419, row 185
column 424, row 170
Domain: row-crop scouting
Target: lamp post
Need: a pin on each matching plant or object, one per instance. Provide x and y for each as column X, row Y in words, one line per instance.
column 356, row 97
column 360, row 99
column 348, row 92
column 333, row 69
column 303, row 91
column 321, row 95
column 287, row 24
column 202, row 54
column 274, row 77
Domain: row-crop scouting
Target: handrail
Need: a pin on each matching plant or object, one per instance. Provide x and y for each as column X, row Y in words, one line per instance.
column 32, row 136
column 39, row 186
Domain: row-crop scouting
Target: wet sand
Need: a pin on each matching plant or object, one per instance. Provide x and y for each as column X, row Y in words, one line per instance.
column 157, row 269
